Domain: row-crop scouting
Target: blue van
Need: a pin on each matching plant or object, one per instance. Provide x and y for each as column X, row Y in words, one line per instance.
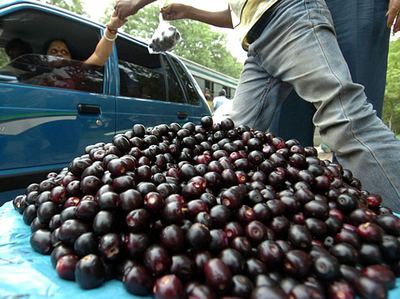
column 43, row 127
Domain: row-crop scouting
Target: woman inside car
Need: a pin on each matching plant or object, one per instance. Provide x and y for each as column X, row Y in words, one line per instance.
column 63, row 76
column 59, row 48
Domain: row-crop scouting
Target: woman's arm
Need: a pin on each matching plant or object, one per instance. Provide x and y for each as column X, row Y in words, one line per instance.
column 104, row 47
column 177, row 11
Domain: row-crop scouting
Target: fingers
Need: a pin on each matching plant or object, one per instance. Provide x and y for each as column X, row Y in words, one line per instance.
column 118, row 12
column 166, row 16
column 116, row 21
column 165, row 8
column 116, row 9
column 391, row 15
column 119, row 15
column 396, row 27
column 165, row 11
column 169, row 12
column 389, row 21
column 393, row 21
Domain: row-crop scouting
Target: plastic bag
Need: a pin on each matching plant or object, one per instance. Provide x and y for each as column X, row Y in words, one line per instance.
column 164, row 38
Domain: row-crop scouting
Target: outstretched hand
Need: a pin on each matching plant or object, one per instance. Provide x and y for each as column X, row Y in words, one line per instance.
column 126, row 8
column 115, row 22
column 174, row 11
column 393, row 15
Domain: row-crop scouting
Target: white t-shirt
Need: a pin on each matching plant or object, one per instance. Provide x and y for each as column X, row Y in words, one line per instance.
column 223, row 111
column 218, row 101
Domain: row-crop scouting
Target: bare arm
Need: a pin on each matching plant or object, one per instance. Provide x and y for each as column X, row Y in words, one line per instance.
column 177, row 11
column 126, row 8
column 393, row 14
column 104, row 47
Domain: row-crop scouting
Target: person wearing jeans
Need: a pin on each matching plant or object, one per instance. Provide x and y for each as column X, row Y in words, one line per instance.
column 363, row 36
column 291, row 44
column 298, row 49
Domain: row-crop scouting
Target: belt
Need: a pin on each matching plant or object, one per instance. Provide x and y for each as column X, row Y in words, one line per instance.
column 260, row 25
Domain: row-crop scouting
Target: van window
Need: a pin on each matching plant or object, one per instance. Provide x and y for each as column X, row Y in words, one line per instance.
column 188, row 85
column 35, row 68
column 49, row 71
column 141, row 82
column 145, row 75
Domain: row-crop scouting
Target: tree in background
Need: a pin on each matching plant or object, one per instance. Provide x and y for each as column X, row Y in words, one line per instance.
column 74, row 5
column 391, row 104
column 199, row 42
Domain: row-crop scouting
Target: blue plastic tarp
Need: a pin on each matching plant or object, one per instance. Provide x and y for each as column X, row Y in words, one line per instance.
column 25, row 273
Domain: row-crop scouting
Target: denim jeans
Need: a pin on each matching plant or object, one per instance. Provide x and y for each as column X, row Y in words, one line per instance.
column 298, row 49
column 363, row 37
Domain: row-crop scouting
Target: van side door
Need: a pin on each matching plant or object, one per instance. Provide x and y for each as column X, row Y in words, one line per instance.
column 45, row 124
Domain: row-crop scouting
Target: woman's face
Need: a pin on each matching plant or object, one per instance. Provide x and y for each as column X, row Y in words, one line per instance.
column 59, row 49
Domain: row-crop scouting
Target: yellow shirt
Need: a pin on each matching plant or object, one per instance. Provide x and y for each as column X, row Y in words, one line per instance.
column 245, row 14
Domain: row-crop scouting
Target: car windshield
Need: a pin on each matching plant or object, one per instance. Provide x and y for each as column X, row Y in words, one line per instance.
column 51, row 71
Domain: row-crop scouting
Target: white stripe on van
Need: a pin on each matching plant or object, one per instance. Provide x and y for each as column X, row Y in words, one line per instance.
column 15, row 127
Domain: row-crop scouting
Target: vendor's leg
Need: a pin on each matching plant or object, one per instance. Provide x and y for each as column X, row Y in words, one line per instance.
column 299, row 46
column 257, row 96
column 363, row 38
column 293, row 120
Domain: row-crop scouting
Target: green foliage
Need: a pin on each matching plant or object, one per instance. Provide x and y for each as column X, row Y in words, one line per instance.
column 391, row 105
column 3, row 57
column 199, row 42
column 71, row 5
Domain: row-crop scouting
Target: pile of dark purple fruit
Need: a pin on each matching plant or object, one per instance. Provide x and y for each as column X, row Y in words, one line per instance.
column 213, row 211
